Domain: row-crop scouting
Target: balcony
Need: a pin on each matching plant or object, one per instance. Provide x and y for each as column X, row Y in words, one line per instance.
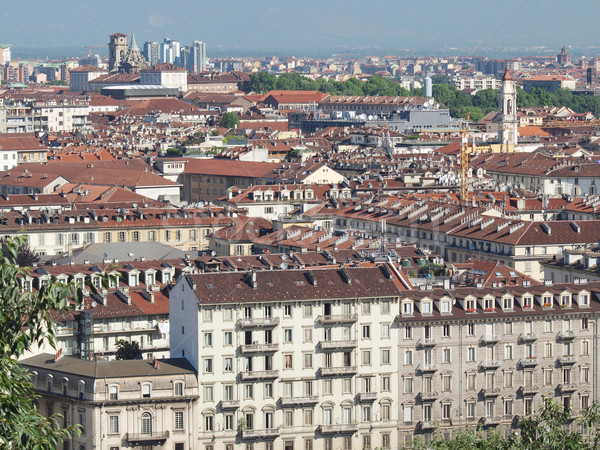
column 427, row 368
column 340, row 428
column 367, row 396
column 528, row 337
column 339, row 318
column 338, row 345
column 258, row 322
column 426, row 342
column 263, row 433
column 529, row 362
column 530, row 390
column 490, row 339
column 259, row 348
column 429, row 396
column 566, row 335
column 147, row 439
column 427, row 425
column 122, row 328
column 332, row 371
column 485, row 365
column 566, row 360
column 230, row 404
column 259, row 374
column 490, row 392
column 65, row 331
column 567, row 387
column 299, row 401
column 491, row 421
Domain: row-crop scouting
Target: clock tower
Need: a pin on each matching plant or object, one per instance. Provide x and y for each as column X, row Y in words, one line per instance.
column 508, row 134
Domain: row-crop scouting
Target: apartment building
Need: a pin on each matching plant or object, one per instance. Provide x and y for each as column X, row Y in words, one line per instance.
column 119, row 403
column 483, row 357
column 292, row 359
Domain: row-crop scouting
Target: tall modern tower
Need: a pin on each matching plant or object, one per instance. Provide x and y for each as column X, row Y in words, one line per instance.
column 117, row 49
column 197, row 59
column 152, row 52
column 170, row 51
column 508, row 134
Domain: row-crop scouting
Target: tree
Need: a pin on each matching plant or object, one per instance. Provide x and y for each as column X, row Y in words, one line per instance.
column 25, row 256
column 128, row 350
column 25, row 321
column 230, row 120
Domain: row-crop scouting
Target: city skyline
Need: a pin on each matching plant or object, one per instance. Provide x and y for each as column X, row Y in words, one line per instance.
column 267, row 26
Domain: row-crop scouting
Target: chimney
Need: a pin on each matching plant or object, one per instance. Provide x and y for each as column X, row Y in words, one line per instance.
column 58, row 355
column 156, row 364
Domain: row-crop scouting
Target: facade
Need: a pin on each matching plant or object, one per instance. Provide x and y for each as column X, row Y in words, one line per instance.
column 80, row 77
column 117, row 48
column 477, row 83
column 295, row 358
column 166, row 75
column 119, row 403
column 152, row 52
column 197, row 57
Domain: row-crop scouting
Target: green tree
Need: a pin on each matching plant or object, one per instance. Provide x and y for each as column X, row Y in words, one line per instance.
column 25, row 321
column 230, row 120
column 262, row 82
column 128, row 350
column 486, row 99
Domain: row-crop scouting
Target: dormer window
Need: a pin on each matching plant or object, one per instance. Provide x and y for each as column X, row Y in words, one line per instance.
column 81, row 389
column 407, row 308
column 113, row 393
column 489, row 304
column 146, row 390
column 426, row 307
column 547, row 301
column 178, row 387
column 445, row 308
column 527, row 302
column 565, row 300
column 507, row 303
column 133, row 279
column 49, row 382
column 584, row 300
column 470, row 305
column 65, row 386
column 166, row 277
column 149, row 278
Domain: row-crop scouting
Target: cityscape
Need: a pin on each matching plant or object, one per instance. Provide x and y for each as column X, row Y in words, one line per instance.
column 218, row 243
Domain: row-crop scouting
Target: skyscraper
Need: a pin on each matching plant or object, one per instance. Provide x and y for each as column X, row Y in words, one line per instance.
column 170, row 51
column 152, row 52
column 197, row 59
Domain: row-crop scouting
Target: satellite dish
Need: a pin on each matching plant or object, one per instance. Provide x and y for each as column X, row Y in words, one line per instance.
column 283, row 265
column 284, row 256
column 213, row 253
column 94, row 304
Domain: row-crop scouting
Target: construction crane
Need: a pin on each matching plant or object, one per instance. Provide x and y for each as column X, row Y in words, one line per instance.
column 90, row 47
column 464, row 162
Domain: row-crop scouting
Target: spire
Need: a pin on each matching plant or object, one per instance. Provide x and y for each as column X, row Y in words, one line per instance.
column 133, row 45
column 507, row 75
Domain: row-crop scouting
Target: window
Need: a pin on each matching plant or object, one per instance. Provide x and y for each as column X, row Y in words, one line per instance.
column 445, row 307
column 308, row 417
column 287, row 335
column 178, row 420
column 508, row 407
column 408, row 410
column 209, row 422
column 385, row 307
column 307, row 334
column 471, row 381
column 347, row 386
column 446, row 411
column 327, row 387
column 408, row 385
column 471, row 329
column 385, row 331
column 287, row 361
column 446, row 383
column 146, row 428
column 471, row 354
column 113, row 393
column 408, row 332
column 208, row 339
column 228, row 366
column 548, row 350
column 113, row 424
column 287, row 310
column 366, row 413
column 407, row 308
column 385, row 356
column 585, row 374
column 385, row 383
column 446, row 355
column 208, row 365
column 145, row 390
column 508, row 351
column 366, row 332
column 228, row 338
column 508, row 379
column 307, row 310
column 307, row 361
column 208, row 393
column 288, row 416
column 471, row 409
column 408, row 357
column 446, row 330
column 268, row 390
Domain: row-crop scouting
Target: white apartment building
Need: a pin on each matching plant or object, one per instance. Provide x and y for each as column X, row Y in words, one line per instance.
column 302, row 359
column 477, row 83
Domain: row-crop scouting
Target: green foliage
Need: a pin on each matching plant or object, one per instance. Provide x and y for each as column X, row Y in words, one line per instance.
column 230, row 120
column 57, row 83
column 214, row 133
column 295, row 153
column 545, row 430
column 128, row 350
column 174, row 151
column 24, row 322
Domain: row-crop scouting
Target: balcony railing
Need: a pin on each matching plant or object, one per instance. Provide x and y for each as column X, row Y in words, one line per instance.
column 529, row 362
column 427, row 342
column 566, row 335
column 230, row 404
column 427, row 368
column 568, row 387
column 259, row 374
column 490, row 339
column 491, row 392
column 261, row 433
column 495, row 420
column 566, row 360
column 528, row 337
column 339, row 318
column 145, row 438
column 429, row 396
column 367, row 396
column 490, row 364
column 530, row 390
column 335, row 345
column 339, row 428
column 344, row 370
column 259, row 348
column 306, row 400
column 259, row 322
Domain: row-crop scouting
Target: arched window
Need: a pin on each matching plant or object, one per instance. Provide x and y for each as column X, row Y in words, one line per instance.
column 146, row 424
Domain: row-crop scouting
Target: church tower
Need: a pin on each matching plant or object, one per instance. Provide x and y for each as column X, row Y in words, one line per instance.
column 117, row 48
column 508, row 134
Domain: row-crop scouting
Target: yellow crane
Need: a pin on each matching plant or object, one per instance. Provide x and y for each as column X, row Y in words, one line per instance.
column 464, row 162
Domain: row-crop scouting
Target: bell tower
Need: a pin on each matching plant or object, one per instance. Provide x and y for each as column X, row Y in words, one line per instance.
column 117, row 48
column 508, row 133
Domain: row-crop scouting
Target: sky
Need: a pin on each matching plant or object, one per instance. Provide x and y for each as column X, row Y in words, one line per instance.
column 309, row 26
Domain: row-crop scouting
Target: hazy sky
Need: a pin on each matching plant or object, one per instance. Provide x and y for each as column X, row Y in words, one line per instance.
column 306, row 24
